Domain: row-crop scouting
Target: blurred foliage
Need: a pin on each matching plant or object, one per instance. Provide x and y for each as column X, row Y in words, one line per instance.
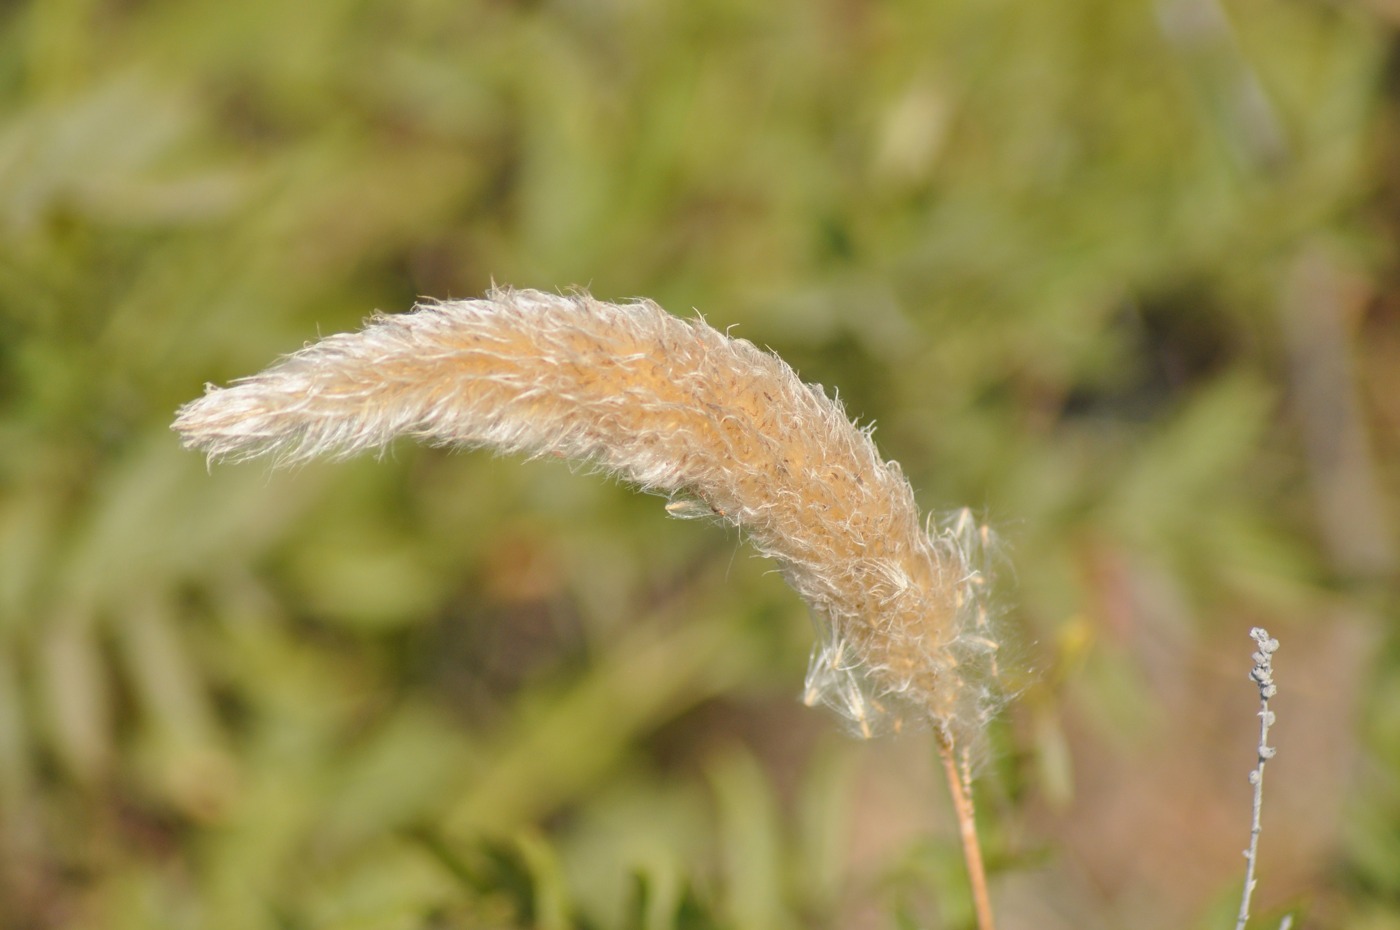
column 1118, row 274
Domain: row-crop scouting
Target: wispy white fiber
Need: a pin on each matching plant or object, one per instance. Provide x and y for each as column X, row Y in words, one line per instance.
column 719, row 426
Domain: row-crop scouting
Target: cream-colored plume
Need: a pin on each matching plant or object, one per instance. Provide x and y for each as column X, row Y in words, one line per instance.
column 721, row 427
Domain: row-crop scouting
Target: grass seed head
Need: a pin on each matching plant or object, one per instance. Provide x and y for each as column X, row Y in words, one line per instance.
column 676, row 407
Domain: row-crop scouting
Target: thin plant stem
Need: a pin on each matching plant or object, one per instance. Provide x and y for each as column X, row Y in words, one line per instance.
column 1263, row 676
column 959, row 785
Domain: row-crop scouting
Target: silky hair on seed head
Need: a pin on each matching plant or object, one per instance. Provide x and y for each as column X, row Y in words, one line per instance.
column 722, row 428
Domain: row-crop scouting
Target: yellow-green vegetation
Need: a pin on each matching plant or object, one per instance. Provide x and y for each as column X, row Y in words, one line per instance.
column 1119, row 274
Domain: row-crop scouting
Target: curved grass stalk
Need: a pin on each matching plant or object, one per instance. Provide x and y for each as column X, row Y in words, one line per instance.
column 723, row 429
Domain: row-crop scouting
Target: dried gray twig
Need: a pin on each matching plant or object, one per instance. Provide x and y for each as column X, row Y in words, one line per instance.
column 1263, row 676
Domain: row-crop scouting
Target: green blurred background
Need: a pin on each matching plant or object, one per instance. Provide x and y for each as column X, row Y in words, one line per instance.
column 1119, row 275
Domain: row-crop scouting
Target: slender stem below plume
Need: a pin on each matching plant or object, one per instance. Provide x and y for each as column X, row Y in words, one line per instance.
column 967, row 827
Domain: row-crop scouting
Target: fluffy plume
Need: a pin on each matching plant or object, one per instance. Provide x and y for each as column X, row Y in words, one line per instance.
column 720, row 427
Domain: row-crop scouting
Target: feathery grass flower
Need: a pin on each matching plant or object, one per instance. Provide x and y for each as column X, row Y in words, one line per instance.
column 719, row 426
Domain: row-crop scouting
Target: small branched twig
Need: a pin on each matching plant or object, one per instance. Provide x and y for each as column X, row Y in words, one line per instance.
column 1262, row 675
